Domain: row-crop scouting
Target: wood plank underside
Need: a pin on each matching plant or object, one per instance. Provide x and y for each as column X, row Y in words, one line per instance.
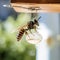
column 21, row 7
column 36, row 1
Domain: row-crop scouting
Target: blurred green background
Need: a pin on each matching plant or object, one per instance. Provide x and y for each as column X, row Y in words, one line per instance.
column 10, row 48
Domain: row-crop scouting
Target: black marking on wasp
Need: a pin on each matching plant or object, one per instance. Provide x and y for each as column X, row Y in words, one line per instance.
column 30, row 25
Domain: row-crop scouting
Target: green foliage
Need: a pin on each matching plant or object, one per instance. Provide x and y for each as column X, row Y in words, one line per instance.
column 10, row 49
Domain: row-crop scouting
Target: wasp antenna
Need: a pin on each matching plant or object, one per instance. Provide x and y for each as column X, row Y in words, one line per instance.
column 39, row 18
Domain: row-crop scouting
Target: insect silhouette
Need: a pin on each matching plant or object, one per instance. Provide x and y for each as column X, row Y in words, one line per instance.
column 30, row 25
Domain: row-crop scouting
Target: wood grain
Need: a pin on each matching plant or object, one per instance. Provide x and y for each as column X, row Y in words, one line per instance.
column 36, row 1
column 43, row 7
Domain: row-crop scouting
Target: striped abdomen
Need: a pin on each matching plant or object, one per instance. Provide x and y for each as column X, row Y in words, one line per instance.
column 20, row 34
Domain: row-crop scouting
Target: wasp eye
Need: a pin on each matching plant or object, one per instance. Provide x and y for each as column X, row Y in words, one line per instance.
column 36, row 22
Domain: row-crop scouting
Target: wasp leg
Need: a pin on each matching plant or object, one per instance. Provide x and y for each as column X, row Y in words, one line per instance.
column 37, row 32
column 31, row 32
column 27, row 34
column 35, row 28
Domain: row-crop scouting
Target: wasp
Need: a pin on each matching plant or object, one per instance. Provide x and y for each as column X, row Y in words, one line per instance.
column 30, row 25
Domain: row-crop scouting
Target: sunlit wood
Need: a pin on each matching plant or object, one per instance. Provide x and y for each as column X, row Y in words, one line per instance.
column 43, row 7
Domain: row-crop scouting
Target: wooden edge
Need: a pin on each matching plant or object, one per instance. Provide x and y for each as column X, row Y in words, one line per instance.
column 19, row 7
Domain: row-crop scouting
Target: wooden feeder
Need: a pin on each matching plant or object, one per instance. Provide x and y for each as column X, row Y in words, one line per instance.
column 34, row 6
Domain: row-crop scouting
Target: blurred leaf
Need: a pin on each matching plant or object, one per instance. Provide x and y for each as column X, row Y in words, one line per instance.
column 22, row 19
column 10, row 48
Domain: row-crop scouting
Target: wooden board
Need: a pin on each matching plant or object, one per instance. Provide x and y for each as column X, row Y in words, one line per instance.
column 24, row 7
column 35, row 1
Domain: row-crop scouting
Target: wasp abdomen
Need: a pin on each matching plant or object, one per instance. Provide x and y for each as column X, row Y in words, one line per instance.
column 20, row 34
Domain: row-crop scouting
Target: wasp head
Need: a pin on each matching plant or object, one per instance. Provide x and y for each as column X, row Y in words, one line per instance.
column 36, row 22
